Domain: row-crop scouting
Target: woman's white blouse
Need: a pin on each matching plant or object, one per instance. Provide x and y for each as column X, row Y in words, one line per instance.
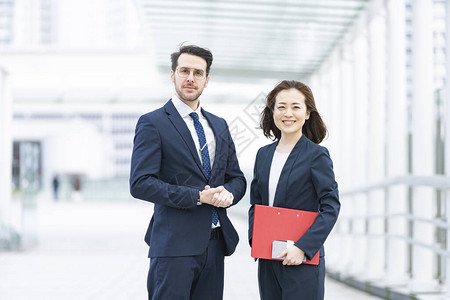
column 278, row 161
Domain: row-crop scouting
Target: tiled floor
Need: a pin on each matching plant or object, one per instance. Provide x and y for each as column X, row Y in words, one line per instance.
column 96, row 251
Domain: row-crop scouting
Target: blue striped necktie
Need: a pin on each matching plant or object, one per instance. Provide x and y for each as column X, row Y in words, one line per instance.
column 205, row 156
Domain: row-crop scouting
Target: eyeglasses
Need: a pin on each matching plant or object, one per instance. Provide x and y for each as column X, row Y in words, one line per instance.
column 185, row 72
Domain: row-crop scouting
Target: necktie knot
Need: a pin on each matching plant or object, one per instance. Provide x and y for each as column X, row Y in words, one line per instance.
column 194, row 116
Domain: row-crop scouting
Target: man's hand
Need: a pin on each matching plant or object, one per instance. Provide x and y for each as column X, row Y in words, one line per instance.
column 208, row 193
column 218, row 197
column 294, row 256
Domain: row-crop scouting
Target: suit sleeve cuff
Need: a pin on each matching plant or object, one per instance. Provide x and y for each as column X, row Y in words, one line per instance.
column 308, row 253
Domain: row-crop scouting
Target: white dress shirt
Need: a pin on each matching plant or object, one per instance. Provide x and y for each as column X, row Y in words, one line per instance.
column 184, row 110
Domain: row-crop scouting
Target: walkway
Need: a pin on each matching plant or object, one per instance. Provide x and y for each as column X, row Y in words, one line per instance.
column 95, row 251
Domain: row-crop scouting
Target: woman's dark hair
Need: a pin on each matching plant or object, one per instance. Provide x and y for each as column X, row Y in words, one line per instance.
column 192, row 50
column 314, row 128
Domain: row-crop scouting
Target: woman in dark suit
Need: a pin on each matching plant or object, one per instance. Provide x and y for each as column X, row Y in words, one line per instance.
column 295, row 172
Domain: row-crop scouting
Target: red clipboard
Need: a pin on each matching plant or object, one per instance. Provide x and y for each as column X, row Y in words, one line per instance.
column 276, row 223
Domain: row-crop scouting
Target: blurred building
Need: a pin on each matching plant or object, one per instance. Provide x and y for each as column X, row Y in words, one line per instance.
column 76, row 75
column 54, row 51
column 65, row 24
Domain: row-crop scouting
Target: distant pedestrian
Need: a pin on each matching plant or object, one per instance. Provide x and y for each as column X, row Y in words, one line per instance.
column 76, row 188
column 55, row 185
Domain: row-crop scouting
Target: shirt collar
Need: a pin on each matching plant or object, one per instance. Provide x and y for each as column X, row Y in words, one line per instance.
column 183, row 109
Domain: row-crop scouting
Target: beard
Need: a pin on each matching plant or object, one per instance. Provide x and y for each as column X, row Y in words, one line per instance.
column 191, row 97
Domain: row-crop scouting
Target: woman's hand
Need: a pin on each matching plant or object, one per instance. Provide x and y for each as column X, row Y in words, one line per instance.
column 294, row 256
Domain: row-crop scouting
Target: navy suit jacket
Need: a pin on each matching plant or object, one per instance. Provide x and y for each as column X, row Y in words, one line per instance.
column 166, row 170
column 306, row 183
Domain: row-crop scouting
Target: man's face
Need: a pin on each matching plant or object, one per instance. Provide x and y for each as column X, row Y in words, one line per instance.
column 187, row 77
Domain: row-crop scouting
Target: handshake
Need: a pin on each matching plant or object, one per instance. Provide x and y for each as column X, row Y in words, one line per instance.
column 218, row 196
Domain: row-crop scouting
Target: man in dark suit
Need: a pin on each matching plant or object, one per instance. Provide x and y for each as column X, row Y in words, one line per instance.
column 184, row 161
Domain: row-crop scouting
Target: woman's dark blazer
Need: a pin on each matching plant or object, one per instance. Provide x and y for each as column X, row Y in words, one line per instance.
column 306, row 182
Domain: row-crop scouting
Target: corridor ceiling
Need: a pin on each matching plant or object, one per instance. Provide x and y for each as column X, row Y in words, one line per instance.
column 250, row 39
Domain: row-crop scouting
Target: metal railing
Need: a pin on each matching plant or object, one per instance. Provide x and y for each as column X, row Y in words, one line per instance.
column 347, row 229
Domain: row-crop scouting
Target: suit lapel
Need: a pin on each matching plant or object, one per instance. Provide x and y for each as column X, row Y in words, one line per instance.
column 281, row 191
column 182, row 129
column 266, row 172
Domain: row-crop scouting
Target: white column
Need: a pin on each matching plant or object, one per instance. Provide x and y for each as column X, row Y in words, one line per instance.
column 344, row 245
column 397, row 141
column 447, row 137
column 347, row 104
column 5, row 152
column 331, row 112
column 359, row 167
column 334, row 125
column 376, row 144
column 422, row 141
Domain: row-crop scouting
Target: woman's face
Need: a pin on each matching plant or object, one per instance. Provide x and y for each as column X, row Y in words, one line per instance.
column 290, row 113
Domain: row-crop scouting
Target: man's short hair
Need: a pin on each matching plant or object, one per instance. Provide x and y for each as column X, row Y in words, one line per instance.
column 192, row 50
